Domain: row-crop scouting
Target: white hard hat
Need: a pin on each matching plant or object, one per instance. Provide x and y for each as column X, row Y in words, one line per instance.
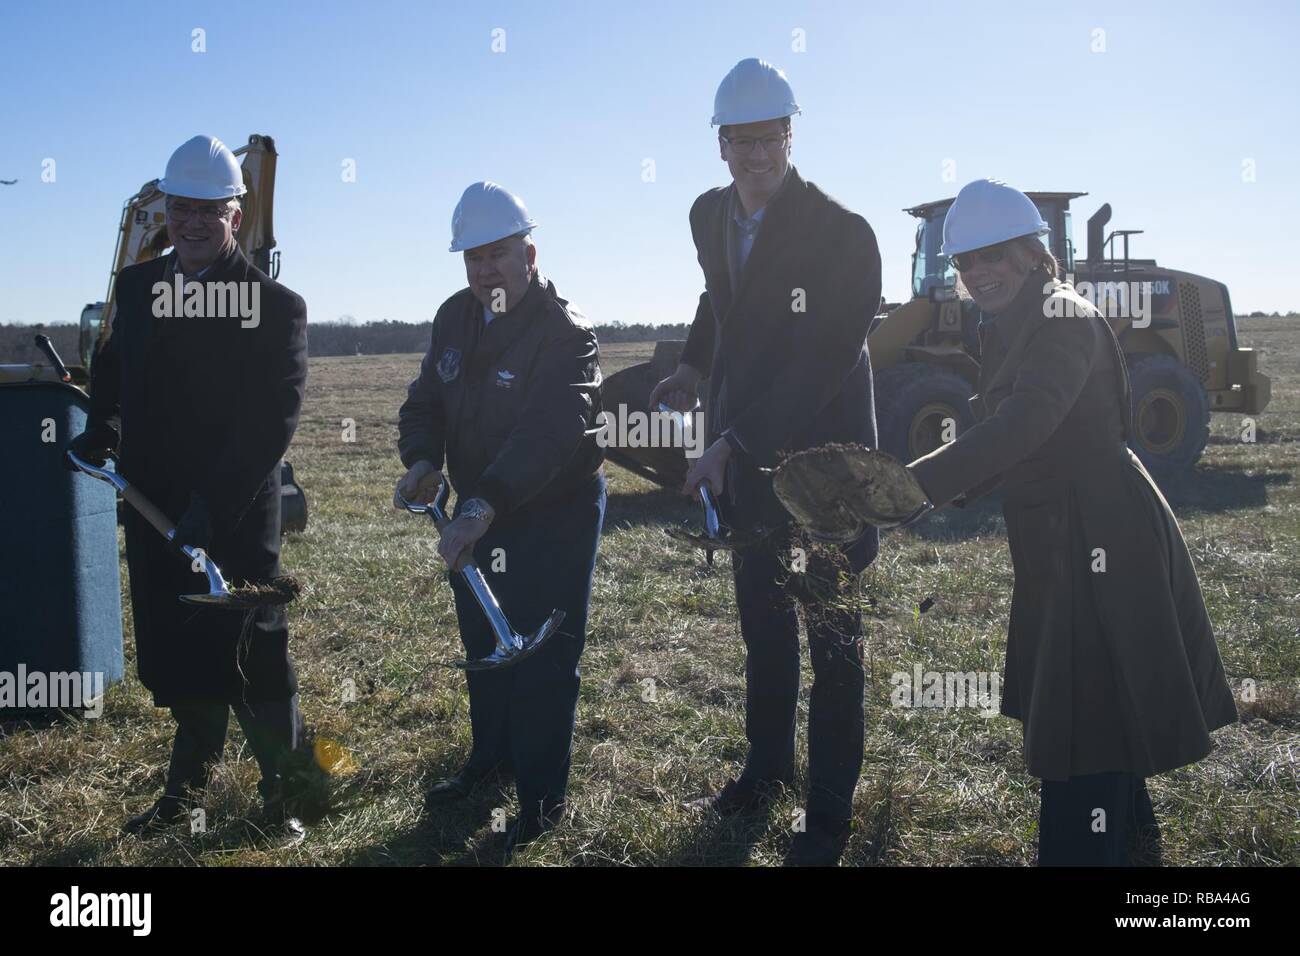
column 752, row 92
column 487, row 212
column 986, row 212
column 203, row 168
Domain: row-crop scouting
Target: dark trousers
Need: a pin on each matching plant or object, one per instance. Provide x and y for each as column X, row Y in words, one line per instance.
column 273, row 728
column 770, row 627
column 523, row 715
column 1102, row 819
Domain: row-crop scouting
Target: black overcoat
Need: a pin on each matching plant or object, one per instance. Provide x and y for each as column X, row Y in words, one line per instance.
column 205, row 405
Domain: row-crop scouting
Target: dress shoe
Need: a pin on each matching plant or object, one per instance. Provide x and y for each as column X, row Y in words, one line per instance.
column 278, row 825
column 461, row 785
column 166, row 812
column 528, row 827
column 738, row 796
column 820, row 844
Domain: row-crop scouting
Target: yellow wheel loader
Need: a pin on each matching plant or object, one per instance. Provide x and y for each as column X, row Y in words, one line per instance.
column 1177, row 331
column 141, row 236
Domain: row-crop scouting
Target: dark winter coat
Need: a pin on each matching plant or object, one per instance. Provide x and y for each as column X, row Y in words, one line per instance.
column 206, row 405
column 511, row 404
column 1111, row 659
column 785, row 351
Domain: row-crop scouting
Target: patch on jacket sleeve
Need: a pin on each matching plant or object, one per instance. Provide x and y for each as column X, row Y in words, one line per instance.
column 449, row 365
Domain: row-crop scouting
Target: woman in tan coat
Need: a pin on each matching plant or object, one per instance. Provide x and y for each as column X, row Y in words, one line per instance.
column 1111, row 664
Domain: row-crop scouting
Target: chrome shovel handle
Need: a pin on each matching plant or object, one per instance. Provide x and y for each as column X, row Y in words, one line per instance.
column 712, row 523
column 506, row 639
column 435, row 509
column 98, row 471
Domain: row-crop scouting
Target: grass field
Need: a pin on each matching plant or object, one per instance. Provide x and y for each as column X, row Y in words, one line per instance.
column 661, row 716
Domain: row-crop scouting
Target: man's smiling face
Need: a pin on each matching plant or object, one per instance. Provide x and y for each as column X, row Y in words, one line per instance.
column 758, row 170
column 201, row 230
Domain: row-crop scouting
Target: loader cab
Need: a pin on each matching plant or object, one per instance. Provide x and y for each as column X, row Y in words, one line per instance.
column 932, row 270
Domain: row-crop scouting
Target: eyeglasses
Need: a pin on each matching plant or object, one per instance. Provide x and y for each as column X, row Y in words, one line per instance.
column 180, row 212
column 962, row 261
column 744, row 145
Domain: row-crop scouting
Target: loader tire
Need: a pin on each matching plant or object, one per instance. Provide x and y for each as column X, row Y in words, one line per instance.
column 914, row 402
column 1171, row 415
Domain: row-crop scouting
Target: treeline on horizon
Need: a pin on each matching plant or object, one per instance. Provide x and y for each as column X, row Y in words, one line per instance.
column 383, row 337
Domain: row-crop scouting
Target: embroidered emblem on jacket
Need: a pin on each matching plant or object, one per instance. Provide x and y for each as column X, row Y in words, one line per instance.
column 449, row 365
column 505, row 379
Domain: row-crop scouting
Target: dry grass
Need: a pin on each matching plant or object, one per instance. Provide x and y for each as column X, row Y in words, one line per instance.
column 661, row 716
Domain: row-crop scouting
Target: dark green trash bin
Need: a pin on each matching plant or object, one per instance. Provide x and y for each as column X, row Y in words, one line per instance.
column 60, row 594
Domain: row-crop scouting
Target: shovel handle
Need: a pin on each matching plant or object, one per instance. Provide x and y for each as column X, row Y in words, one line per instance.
column 150, row 511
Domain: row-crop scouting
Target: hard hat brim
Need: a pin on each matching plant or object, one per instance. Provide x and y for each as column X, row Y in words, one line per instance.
column 956, row 249
column 740, row 119
column 194, row 191
column 461, row 244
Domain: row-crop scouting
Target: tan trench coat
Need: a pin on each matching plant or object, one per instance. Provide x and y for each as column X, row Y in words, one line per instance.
column 1108, row 670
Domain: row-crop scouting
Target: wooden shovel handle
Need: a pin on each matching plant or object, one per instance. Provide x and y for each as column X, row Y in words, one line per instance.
column 151, row 513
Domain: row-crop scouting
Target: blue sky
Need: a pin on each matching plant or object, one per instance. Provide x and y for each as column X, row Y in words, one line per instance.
column 1159, row 125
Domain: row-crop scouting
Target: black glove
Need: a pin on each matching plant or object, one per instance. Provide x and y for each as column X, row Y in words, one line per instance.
column 93, row 445
column 195, row 526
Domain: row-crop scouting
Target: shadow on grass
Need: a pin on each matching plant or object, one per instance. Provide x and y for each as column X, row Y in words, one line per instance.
column 1211, row 491
column 450, row 832
column 720, row 841
column 660, row 507
column 1220, row 489
column 17, row 721
column 982, row 516
column 82, row 851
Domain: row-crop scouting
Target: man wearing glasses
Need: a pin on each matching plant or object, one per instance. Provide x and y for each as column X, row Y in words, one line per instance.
column 200, row 408
column 792, row 280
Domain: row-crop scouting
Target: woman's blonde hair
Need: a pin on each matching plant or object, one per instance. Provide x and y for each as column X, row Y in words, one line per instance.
column 1033, row 254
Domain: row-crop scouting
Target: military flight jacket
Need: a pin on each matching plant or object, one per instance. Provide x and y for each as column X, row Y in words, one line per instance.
column 511, row 404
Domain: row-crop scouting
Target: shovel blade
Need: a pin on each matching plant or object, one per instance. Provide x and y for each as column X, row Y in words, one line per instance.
column 498, row 660
column 732, row 541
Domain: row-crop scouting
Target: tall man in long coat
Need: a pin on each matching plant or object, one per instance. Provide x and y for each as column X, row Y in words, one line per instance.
column 792, row 281
column 200, row 410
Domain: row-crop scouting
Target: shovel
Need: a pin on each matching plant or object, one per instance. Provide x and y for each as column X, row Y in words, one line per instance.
column 511, row 647
column 245, row 597
column 717, row 536
column 837, row 491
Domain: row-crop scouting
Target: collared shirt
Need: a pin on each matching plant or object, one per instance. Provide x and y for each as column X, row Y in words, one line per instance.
column 746, row 231
column 743, row 230
column 177, row 267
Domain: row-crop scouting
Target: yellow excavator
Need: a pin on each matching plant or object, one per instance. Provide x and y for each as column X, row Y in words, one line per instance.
column 1182, row 351
column 141, row 236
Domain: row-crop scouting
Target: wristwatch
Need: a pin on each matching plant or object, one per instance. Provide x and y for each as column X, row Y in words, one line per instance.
column 477, row 509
